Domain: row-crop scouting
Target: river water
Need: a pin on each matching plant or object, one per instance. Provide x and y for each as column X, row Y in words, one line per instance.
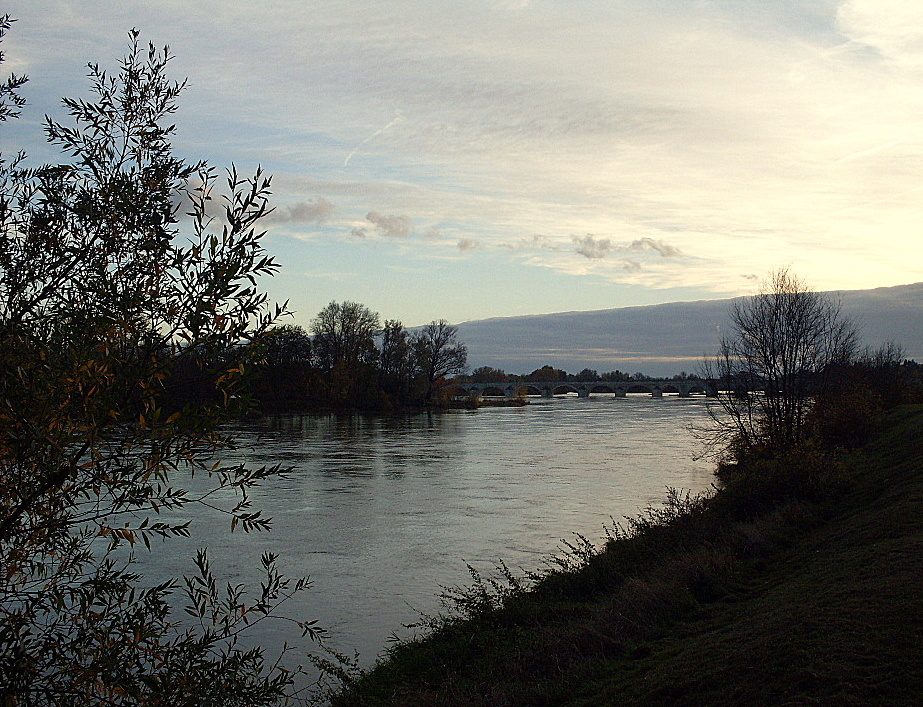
column 381, row 512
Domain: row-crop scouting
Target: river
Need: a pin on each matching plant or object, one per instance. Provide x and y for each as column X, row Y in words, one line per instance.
column 381, row 512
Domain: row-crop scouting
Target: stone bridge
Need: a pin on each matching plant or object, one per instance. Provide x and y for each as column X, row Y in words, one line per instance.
column 584, row 389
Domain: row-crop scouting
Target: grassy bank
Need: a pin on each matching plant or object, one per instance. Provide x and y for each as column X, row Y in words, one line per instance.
column 798, row 583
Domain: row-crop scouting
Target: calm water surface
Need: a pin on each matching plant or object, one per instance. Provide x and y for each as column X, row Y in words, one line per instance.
column 383, row 512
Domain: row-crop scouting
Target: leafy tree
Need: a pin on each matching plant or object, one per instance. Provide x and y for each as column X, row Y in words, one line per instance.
column 547, row 374
column 787, row 341
column 285, row 377
column 588, row 374
column 486, row 374
column 286, row 345
column 10, row 98
column 437, row 353
column 394, row 361
column 395, row 349
column 105, row 293
column 615, row 376
column 849, row 410
column 344, row 335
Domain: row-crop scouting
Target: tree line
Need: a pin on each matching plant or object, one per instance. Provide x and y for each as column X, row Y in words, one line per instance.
column 349, row 359
column 550, row 374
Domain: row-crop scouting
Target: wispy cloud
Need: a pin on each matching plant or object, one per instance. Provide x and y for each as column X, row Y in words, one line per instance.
column 304, row 212
column 466, row 244
column 762, row 133
column 658, row 246
column 392, row 226
column 595, row 248
column 590, row 247
column 631, row 265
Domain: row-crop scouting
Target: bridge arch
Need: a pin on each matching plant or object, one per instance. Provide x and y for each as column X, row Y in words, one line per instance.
column 601, row 388
column 640, row 388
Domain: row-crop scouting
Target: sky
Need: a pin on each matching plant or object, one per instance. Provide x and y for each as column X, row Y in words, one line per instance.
column 482, row 158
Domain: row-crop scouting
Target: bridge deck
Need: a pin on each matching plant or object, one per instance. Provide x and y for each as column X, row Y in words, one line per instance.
column 547, row 389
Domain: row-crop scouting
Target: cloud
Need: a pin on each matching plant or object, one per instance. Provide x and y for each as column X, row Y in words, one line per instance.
column 316, row 211
column 593, row 248
column 665, row 250
column 533, row 243
column 466, row 244
column 597, row 248
column 892, row 27
column 760, row 132
column 631, row 266
column 393, row 226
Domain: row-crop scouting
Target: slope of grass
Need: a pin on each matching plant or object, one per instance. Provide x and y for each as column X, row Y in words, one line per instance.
column 800, row 583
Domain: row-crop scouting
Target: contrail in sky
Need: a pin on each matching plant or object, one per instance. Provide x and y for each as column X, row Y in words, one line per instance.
column 370, row 138
column 869, row 151
column 883, row 199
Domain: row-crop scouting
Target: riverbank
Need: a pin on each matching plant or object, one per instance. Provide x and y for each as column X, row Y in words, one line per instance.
column 799, row 583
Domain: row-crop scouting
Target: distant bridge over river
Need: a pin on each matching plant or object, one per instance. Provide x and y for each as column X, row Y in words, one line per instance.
column 584, row 389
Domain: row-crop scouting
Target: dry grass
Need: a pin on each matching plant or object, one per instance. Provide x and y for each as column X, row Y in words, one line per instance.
column 801, row 585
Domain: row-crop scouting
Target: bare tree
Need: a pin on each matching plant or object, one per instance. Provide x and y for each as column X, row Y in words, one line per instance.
column 437, row 353
column 786, row 341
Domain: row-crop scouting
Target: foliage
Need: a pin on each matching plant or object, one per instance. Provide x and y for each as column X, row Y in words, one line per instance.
column 486, row 374
column 616, row 376
column 588, row 374
column 286, row 345
column 395, row 349
column 547, row 374
column 850, row 410
column 351, row 362
column 10, row 98
column 105, row 294
column 344, row 335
